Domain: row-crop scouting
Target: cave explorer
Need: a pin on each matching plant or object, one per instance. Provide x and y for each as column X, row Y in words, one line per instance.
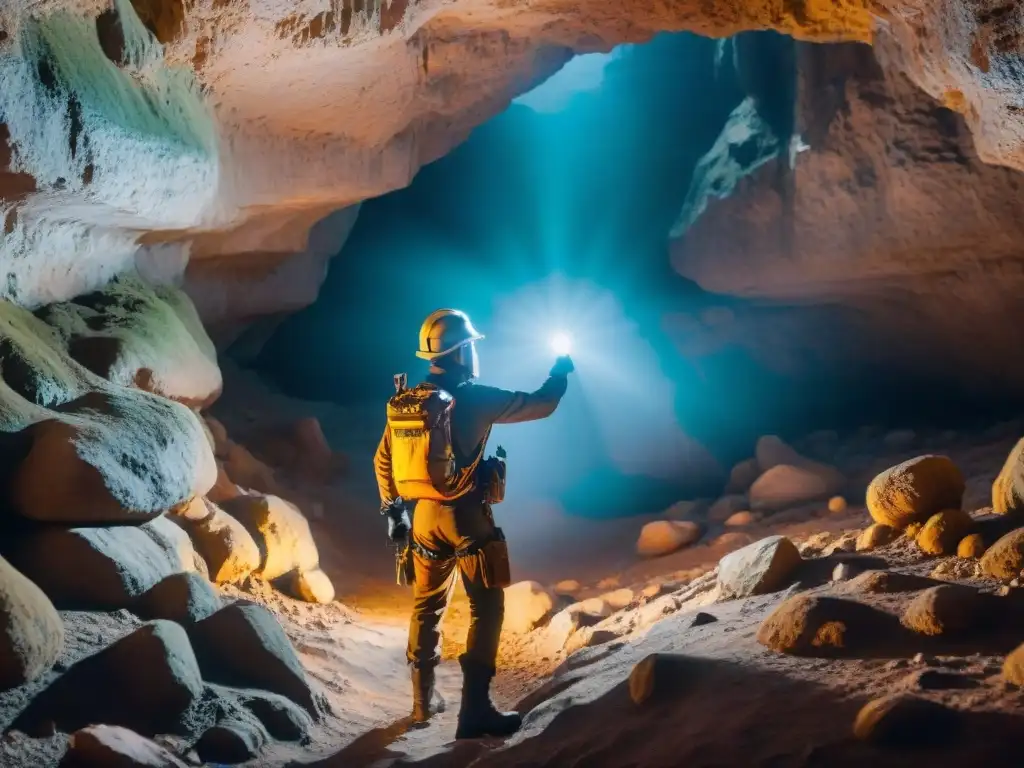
column 431, row 455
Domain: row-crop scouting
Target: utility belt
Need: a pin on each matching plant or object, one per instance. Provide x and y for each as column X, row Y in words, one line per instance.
column 490, row 555
column 469, row 550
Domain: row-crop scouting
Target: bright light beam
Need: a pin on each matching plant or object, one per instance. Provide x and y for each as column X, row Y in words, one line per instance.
column 561, row 343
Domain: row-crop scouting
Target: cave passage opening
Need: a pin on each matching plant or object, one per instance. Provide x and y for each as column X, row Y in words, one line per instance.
column 555, row 215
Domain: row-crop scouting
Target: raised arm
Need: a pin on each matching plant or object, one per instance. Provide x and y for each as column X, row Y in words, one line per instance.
column 504, row 406
column 382, row 467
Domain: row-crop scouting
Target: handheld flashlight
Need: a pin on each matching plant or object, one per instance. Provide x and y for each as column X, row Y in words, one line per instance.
column 561, row 343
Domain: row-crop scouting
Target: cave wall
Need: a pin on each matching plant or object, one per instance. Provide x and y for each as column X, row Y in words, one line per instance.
column 145, row 133
column 888, row 235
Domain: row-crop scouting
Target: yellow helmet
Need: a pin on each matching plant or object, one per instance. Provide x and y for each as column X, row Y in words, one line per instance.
column 445, row 331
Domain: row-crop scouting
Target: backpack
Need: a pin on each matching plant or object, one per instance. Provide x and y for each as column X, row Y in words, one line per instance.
column 423, row 463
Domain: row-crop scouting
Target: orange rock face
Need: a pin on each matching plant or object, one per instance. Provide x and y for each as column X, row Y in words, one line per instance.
column 290, row 113
column 889, row 235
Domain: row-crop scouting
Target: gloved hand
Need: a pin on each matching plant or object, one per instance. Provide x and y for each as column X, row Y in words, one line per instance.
column 563, row 366
column 398, row 521
column 398, row 527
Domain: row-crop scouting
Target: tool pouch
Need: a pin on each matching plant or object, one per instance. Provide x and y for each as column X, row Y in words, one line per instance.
column 492, row 479
column 493, row 559
column 405, row 567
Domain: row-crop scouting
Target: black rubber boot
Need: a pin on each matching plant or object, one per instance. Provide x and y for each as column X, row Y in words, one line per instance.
column 426, row 702
column 477, row 715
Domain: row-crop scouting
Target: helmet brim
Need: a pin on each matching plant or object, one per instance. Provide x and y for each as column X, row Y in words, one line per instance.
column 431, row 356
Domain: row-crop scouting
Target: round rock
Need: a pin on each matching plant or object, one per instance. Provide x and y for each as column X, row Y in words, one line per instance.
column 943, row 531
column 915, row 490
column 31, row 630
column 662, row 537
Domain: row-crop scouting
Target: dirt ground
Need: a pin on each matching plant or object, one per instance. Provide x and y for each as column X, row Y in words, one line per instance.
column 731, row 701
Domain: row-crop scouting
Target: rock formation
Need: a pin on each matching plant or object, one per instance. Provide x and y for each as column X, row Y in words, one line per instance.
column 166, row 166
column 882, row 228
column 160, row 135
column 107, row 461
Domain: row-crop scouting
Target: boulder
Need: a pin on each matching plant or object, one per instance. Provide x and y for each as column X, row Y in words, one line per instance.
column 98, row 568
column 246, row 470
column 221, row 443
column 567, row 587
column 1008, row 487
column 905, row 720
column 956, row 569
column 112, row 459
column 145, row 681
column 842, row 572
column 807, row 625
column 279, row 530
column 618, row 599
column 557, row 632
column 743, row 476
column 1013, row 667
column 874, row 536
column 527, row 604
column 593, row 606
column 911, row 531
column 846, row 542
column 785, row 486
column 135, row 333
column 312, row 586
column 943, row 531
column 726, row 506
column 662, row 537
column 223, row 489
column 915, row 490
column 194, row 509
column 948, row 609
column 31, row 630
column 229, row 550
column 110, row 746
column 175, row 542
column 1004, row 560
column 771, row 451
column 588, row 637
column 281, row 718
column 654, row 589
column 231, row 741
column 659, row 675
column 731, row 540
column 700, row 619
column 972, row 546
column 687, row 510
column 741, row 519
column 837, row 505
column 882, row 582
column 764, row 566
column 243, row 645
column 182, row 597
